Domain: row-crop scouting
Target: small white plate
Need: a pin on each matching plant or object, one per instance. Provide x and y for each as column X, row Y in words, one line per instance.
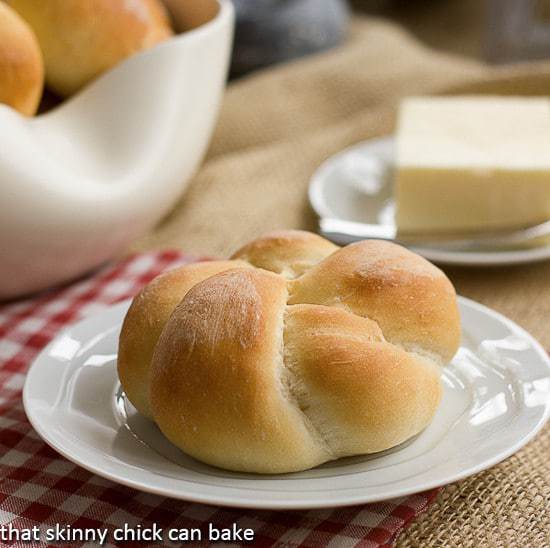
column 496, row 398
column 356, row 185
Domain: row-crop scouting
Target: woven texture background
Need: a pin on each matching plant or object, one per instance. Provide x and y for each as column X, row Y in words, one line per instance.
column 275, row 128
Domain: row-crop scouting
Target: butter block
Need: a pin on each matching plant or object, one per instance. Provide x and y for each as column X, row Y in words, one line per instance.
column 471, row 163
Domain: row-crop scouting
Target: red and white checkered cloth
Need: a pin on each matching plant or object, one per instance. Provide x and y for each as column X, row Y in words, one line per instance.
column 39, row 487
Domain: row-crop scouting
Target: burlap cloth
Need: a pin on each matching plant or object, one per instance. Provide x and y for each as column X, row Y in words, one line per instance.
column 275, row 128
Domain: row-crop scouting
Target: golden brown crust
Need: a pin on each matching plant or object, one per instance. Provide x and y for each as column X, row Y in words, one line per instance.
column 363, row 393
column 275, row 372
column 287, row 252
column 145, row 320
column 215, row 388
column 412, row 300
column 21, row 65
column 82, row 39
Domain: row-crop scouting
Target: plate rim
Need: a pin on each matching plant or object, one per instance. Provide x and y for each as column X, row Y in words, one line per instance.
column 229, row 500
column 441, row 256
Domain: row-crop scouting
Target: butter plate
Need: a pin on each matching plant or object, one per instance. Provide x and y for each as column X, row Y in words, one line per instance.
column 496, row 398
column 356, row 185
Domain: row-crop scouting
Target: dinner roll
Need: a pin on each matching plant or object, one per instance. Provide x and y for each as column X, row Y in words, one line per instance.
column 21, row 65
column 301, row 353
column 81, row 39
column 145, row 320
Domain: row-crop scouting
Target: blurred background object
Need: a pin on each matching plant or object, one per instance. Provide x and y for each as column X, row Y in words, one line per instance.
column 456, row 26
column 497, row 31
column 273, row 31
column 81, row 40
column 517, row 30
column 83, row 181
column 21, row 64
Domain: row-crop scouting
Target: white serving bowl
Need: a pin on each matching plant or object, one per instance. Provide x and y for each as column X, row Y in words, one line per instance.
column 81, row 181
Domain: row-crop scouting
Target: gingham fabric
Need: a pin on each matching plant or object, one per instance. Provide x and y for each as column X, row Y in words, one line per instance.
column 39, row 487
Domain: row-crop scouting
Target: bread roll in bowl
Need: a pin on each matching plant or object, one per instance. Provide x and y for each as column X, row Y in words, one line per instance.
column 80, row 39
column 21, row 65
column 335, row 352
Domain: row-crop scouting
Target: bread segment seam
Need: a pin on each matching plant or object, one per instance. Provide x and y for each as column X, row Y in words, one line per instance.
column 288, row 380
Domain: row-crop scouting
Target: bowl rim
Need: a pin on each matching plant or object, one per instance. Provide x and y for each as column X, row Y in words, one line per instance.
column 225, row 9
column 225, row 14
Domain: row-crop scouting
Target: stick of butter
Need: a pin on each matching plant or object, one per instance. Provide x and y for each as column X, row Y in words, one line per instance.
column 472, row 163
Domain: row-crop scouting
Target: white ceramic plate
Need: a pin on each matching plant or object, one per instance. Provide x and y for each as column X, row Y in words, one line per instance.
column 356, row 185
column 496, row 397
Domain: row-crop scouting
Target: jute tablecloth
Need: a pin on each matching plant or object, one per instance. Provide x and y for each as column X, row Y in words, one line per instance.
column 276, row 127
